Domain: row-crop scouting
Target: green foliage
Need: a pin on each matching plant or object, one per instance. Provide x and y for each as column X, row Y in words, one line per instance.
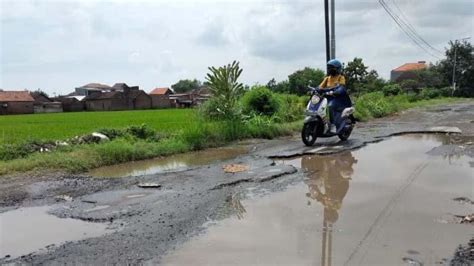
column 291, row 107
column 186, row 85
column 225, row 88
column 391, row 89
column 142, row 132
column 281, row 87
column 463, row 53
column 411, row 85
column 429, row 93
column 301, row 79
column 359, row 79
column 260, row 100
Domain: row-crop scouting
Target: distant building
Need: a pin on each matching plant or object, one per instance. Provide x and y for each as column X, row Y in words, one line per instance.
column 193, row 98
column 91, row 88
column 406, row 71
column 43, row 104
column 16, row 102
column 160, row 97
column 71, row 103
column 120, row 97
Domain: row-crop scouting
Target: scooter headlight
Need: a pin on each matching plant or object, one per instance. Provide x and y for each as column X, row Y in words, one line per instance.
column 315, row 99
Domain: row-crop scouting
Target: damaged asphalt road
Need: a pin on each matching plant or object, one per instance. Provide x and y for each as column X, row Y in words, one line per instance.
column 143, row 224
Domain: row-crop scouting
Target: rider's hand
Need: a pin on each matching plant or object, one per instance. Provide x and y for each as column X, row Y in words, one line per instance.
column 330, row 93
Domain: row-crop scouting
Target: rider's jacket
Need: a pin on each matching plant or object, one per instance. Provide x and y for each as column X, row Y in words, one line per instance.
column 332, row 81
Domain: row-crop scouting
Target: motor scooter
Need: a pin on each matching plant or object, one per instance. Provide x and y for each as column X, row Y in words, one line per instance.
column 316, row 122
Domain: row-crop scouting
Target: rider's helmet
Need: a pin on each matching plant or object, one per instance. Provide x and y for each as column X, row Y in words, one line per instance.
column 334, row 67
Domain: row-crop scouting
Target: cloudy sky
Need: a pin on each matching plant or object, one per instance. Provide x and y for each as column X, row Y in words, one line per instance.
column 59, row 45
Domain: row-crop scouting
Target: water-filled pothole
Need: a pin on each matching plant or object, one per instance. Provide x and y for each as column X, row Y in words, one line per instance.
column 174, row 162
column 365, row 207
column 31, row 229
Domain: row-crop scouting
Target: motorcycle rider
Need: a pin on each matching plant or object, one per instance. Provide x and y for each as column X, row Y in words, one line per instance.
column 334, row 85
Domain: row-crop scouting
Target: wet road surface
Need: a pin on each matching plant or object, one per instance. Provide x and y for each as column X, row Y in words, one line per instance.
column 373, row 200
column 381, row 203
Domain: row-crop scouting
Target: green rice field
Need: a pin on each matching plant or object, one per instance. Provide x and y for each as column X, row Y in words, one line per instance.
column 58, row 126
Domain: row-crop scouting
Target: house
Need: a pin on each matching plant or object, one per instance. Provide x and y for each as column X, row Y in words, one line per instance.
column 90, row 88
column 120, row 97
column 160, row 97
column 43, row 104
column 16, row 102
column 193, row 98
column 71, row 103
column 406, row 71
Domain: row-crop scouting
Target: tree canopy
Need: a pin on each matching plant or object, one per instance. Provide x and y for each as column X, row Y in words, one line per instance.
column 186, row 85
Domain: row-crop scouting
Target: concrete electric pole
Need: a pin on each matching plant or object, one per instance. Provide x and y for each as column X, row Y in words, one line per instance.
column 333, row 31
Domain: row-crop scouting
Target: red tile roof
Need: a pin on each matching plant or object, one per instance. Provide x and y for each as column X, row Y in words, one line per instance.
column 159, row 91
column 15, row 96
column 410, row 67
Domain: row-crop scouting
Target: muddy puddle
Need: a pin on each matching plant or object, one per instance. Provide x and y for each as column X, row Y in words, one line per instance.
column 381, row 205
column 164, row 164
column 32, row 229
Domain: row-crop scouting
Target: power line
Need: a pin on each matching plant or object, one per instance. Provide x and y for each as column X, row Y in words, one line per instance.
column 408, row 33
column 412, row 29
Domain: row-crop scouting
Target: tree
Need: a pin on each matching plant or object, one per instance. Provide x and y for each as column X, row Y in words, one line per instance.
column 301, row 79
column 464, row 71
column 186, row 85
column 225, row 88
column 355, row 73
column 359, row 79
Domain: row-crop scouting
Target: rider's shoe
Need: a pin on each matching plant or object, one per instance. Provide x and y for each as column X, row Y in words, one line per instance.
column 333, row 129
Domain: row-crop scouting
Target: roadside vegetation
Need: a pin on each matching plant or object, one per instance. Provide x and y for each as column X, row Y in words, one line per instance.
column 234, row 112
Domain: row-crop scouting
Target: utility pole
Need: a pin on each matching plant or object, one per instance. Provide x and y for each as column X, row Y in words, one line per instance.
column 454, row 64
column 333, row 31
column 326, row 21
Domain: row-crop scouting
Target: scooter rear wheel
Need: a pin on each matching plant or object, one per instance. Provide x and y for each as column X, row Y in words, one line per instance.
column 345, row 134
column 308, row 134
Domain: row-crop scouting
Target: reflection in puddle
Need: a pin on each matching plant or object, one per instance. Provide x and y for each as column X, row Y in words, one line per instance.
column 366, row 207
column 174, row 162
column 27, row 230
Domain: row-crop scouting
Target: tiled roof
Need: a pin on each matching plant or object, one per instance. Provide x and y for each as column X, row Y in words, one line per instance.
column 15, row 96
column 410, row 67
column 159, row 91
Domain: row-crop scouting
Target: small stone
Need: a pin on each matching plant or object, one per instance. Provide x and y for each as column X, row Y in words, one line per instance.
column 63, row 198
column 149, row 185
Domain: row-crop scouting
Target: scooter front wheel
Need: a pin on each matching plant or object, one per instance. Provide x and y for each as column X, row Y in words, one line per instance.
column 308, row 134
column 345, row 134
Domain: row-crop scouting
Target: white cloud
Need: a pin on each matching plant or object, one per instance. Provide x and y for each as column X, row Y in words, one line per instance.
column 58, row 45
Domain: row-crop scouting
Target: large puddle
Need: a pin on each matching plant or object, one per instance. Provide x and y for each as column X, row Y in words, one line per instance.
column 389, row 203
column 27, row 230
column 164, row 164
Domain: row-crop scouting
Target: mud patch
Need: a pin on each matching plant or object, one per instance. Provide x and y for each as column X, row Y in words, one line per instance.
column 27, row 230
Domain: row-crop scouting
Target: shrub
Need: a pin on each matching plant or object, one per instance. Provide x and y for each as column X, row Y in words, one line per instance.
column 391, row 89
column 291, row 107
column 260, row 100
column 225, row 88
column 142, row 132
column 429, row 93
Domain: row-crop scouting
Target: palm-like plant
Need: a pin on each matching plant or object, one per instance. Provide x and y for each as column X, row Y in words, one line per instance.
column 225, row 88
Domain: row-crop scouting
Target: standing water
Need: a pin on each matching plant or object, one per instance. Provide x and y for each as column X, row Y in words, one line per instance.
column 386, row 204
column 26, row 230
column 164, row 164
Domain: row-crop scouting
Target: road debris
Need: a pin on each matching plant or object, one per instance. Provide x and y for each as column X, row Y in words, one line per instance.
column 149, row 185
column 63, row 198
column 465, row 219
column 235, row 168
